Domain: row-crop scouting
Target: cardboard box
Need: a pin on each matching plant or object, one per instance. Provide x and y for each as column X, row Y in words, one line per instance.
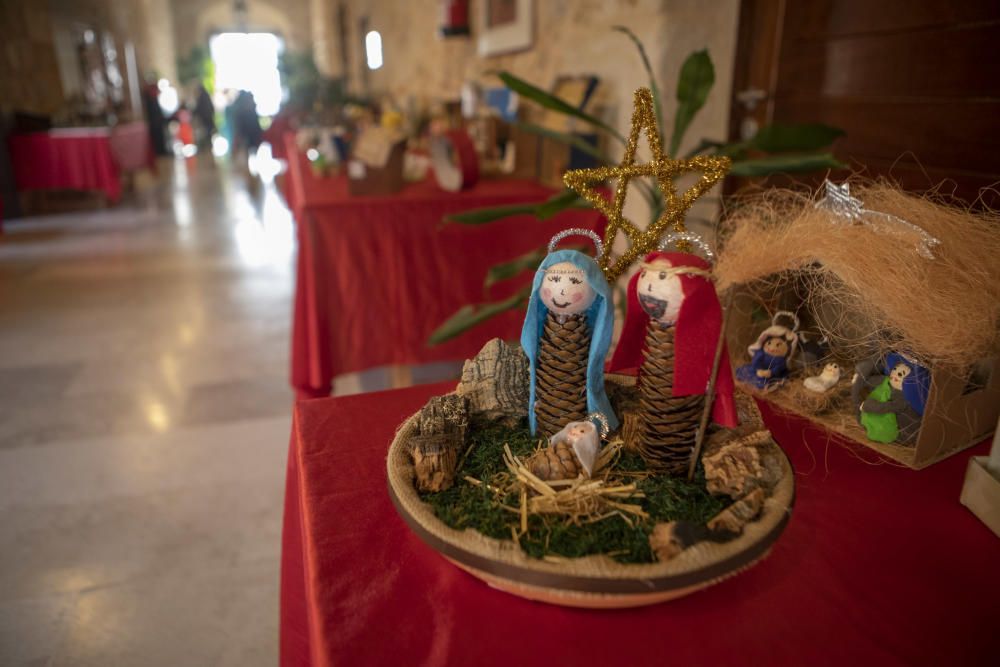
column 981, row 493
column 961, row 410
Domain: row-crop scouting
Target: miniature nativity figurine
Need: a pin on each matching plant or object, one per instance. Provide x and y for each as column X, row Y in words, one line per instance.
column 825, row 381
column 573, row 451
column 672, row 327
column 890, row 398
column 566, row 336
column 769, row 355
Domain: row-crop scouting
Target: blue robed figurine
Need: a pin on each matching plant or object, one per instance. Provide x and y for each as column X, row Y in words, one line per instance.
column 566, row 336
column 769, row 355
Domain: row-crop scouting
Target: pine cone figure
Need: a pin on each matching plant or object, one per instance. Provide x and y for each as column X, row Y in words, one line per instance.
column 557, row 461
column 561, row 373
column 669, row 422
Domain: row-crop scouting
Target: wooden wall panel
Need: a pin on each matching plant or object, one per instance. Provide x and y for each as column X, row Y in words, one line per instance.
column 915, row 84
column 954, row 62
column 819, row 20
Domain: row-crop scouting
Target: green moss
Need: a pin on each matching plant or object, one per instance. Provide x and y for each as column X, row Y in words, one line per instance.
column 469, row 506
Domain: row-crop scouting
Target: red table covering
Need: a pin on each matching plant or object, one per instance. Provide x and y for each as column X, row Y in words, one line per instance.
column 86, row 158
column 131, row 146
column 878, row 565
column 377, row 275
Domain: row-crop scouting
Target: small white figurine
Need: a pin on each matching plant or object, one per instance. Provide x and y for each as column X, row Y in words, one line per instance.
column 573, row 451
column 823, row 382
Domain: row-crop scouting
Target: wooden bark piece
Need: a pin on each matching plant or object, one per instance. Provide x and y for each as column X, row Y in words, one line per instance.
column 495, row 382
column 743, row 511
column 737, row 467
column 561, row 373
column 441, row 427
column 434, row 461
column 670, row 422
column 670, row 538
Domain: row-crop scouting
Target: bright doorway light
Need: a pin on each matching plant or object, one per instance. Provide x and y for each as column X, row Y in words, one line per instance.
column 373, row 49
column 249, row 61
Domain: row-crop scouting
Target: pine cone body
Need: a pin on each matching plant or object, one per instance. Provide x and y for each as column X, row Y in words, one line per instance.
column 556, row 461
column 561, row 373
column 670, row 422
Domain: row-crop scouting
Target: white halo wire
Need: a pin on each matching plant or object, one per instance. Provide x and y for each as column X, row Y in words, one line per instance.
column 790, row 315
column 604, row 428
column 690, row 237
column 577, row 231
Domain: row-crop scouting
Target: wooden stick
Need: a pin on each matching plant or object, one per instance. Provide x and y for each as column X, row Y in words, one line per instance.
column 699, row 439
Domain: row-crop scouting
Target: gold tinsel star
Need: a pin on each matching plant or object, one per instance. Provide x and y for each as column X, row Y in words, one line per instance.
column 586, row 181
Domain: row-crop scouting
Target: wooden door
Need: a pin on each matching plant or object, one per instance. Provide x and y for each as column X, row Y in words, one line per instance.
column 914, row 83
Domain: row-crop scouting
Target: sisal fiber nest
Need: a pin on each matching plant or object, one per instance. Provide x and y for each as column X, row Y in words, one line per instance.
column 876, row 291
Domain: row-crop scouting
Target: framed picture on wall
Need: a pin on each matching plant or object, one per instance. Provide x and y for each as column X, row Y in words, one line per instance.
column 505, row 26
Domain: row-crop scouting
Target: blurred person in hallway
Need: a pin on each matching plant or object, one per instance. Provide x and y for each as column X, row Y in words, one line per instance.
column 204, row 114
column 247, row 133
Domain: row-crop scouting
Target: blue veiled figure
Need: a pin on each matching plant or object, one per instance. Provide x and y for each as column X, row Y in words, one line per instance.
column 916, row 385
column 599, row 317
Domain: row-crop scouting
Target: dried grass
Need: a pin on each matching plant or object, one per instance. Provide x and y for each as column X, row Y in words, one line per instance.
column 882, row 293
column 581, row 500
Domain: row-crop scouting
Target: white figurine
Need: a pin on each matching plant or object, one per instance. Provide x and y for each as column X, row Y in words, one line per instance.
column 585, row 441
column 823, row 382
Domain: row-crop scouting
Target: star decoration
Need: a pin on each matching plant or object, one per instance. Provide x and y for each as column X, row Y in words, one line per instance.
column 586, row 181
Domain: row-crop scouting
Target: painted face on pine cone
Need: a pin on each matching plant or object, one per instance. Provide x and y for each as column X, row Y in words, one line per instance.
column 565, row 290
column 659, row 291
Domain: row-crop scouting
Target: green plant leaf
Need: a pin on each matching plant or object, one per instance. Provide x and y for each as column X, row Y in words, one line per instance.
column 787, row 163
column 778, row 138
column 657, row 104
column 528, row 261
column 559, row 203
column 481, row 216
column 471, row 316
column 696, row 81
column 565, row 138
column 507, row 270
column 716, row 147
column 550, row 101
column 541, row 210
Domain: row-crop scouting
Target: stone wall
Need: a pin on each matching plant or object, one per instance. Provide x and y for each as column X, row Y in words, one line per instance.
column 195, row 21
column 571, row 37
column 29, row 70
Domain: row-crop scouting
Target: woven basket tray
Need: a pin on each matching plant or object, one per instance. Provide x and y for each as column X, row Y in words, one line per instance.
column 592, row 581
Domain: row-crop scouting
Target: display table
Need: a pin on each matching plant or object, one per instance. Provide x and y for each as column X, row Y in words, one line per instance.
column 879, row 565
column 377, row 275
column 86, row 159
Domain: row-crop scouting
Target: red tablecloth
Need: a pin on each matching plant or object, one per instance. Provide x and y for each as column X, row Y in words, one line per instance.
column 879, row 565
column 79, row 158
column 131, row 147
column 377, row 275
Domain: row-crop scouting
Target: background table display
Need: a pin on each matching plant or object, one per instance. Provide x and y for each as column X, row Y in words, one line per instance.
column 377, row 275
column 86, row 159
column 879, row 564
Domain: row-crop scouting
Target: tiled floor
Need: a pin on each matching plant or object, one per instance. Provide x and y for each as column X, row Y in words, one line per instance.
column 144, row 420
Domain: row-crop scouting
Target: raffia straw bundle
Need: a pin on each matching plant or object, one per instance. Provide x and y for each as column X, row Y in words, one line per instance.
column 944, row 310
column 580, row 500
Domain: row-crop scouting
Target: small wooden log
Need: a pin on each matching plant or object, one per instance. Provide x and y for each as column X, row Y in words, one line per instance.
column 743, row 511
column 435, row 458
